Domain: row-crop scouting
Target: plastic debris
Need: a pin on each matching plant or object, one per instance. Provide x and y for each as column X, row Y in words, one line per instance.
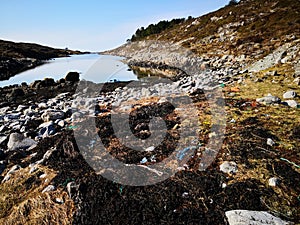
column 144, row 160
column 292, row 163
column 182, row 153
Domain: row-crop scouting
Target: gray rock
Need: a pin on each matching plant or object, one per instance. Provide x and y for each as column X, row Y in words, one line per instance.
column 228, row 167
column 291, row 103
column 18, row 141
column 14, row 169
column 270, row 142
column 274, row 181
column 239, row 217
column 289, row 94
column 52, row 115
column 12, row 116
column 49, row 188
column 4, row 110
column 268, row 100
column 6, row 178
column 47, row 129
column 2, row 139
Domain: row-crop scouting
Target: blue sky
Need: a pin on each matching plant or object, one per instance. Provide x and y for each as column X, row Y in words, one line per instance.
column 91, row 25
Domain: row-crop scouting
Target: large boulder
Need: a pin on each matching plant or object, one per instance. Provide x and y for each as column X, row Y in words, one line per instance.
column 18, row 141
column 72, row 77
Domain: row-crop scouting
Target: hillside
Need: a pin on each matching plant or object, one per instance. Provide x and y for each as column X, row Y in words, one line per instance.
column 17, row 57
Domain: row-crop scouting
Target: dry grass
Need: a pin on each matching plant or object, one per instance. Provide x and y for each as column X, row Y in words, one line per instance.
column 22, row 200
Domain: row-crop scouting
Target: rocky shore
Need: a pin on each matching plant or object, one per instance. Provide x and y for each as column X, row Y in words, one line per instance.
column 41, row 158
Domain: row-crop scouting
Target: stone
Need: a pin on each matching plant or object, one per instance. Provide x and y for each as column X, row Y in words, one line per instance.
column 72, row 77
column 274, row 181
column 12, row 116
column 289, row 94
column 71, row 188
column 14, row 169
column 61, row 123
column 18, row 141
column 2, row 167
column 52, row 115
column 228, row 167
column 268, row 100
column 49, row 188
column 238, row 217
column 47, row 129
column 18, row 92
column 291, row 103
column 2, row 139
column 270, row 142
column 21, row 108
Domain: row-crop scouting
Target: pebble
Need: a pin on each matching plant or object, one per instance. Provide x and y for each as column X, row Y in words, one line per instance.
column 49, row 188
column 270, row 142
column 274, row 181
column 228, row 167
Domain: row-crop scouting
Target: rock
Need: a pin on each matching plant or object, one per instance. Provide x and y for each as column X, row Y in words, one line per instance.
column 2, row 139
column 289, row 94
column 52, row 115
column 61, row 123
column 71, row 188
column 274, row 181
column 49, row 188
column 12, row 116
column 238, row 217
column 2, row 167
column 42, row 105
column 18, row 141
column 228, row 167
column 291, row 103
column 6, row 178
column 72, row 77
column 47, row 129
column 18, row 92
column 14, row 169
column 21, row 108
column 297, row 81
column 270, row 142
column 268, row 100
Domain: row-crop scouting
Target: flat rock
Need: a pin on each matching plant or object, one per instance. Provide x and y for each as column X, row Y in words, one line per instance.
column 289, row 94
column 268, row 100
column 291, row 103
column 241, row 217
column 18, row 141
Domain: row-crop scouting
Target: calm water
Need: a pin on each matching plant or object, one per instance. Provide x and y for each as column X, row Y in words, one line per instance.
column 93, row 67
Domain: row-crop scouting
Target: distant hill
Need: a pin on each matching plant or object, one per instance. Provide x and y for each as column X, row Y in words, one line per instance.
column 17, row 57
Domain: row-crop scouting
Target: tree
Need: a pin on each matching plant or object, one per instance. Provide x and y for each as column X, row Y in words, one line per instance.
column 233, row 2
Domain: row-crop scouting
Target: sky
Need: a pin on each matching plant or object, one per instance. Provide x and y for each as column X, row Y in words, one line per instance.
column 90, row 25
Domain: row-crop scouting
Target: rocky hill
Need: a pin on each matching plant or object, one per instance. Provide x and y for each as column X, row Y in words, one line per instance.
column 17, row 57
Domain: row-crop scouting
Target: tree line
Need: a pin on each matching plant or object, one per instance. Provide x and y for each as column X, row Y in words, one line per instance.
column 155, row 28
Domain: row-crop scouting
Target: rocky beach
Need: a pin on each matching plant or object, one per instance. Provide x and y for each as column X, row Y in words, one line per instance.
column 239, row 164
